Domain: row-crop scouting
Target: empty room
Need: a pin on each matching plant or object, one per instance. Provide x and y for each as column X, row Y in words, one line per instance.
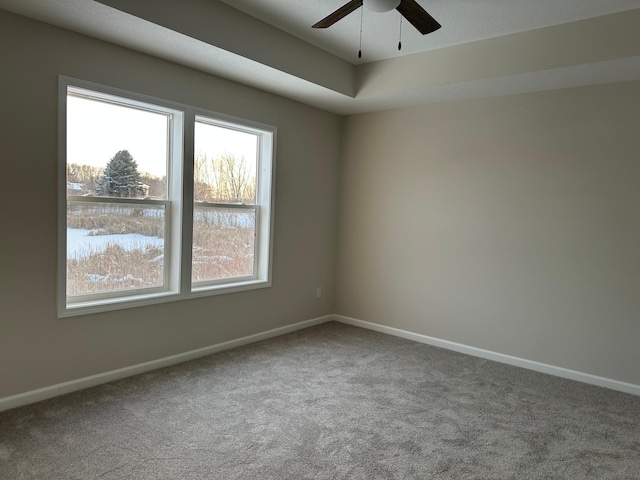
column 367, row 239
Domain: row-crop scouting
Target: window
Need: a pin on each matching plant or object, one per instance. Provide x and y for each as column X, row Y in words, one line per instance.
column 225, row 209
column 158, row 201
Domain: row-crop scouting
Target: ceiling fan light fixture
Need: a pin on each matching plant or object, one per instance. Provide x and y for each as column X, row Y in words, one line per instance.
column 381, row 5
column 409, row 9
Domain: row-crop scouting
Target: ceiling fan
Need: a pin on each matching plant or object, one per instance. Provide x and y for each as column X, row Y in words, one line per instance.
column 409, row 9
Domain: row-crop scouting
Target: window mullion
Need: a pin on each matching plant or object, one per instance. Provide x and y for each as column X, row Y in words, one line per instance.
column 187, row 201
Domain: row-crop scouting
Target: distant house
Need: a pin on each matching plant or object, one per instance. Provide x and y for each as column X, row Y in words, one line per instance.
column 74, row 188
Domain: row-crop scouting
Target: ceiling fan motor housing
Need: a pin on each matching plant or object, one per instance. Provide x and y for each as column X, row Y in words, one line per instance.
column 409, row 9
column 381, row 5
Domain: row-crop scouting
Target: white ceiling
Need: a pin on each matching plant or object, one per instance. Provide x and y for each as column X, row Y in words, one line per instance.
column 462, row 21
column 484, row 48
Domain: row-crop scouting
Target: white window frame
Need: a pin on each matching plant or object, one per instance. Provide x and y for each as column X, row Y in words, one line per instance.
column 178, row 204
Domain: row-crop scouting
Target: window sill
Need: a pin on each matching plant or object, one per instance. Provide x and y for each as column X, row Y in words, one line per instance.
column 229, row 288
column 119, row 303
column 142, row 300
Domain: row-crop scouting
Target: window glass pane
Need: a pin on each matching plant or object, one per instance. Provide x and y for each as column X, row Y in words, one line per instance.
column 223, row 243
column 224, row 165
column 115, row 150
column 114, row 247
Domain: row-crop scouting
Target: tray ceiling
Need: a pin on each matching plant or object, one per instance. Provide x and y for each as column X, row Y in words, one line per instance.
column 485, row 47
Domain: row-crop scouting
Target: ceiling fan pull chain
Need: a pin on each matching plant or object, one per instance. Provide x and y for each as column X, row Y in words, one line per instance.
column 360, row 50
column 400, row 38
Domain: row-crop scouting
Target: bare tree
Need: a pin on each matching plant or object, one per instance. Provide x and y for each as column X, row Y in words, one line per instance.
column 202, row 178
column 85, row 175
column 223, row 179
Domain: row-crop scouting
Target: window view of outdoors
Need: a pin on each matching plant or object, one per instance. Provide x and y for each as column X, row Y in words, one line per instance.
column 115, row 152
column 113, row 247
column 224, row 218
column 117, row 197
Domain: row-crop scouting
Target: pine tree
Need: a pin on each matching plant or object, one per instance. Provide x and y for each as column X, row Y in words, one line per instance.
column 121, row 177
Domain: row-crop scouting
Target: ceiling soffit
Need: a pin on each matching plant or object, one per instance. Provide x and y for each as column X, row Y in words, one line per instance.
column 247, row 50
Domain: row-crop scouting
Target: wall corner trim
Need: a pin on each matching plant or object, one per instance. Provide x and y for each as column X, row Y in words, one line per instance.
column 497, row 357
column 45, row 393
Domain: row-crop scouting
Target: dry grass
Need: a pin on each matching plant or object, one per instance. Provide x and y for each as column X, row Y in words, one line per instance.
column 115, row 269
column 222, row 252
column 223, row 248
column 113, row 219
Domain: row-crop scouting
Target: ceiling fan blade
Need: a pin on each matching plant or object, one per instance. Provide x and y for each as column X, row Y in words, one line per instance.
column 418, row 17
column 342, row 12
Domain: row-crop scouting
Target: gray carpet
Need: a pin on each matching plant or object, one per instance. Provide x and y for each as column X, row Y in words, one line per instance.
column 329, row 402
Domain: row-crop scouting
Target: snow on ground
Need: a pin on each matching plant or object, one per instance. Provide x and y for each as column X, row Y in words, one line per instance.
column 81, row 244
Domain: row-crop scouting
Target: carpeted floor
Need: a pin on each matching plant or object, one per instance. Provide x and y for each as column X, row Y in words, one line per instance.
column 329, row 402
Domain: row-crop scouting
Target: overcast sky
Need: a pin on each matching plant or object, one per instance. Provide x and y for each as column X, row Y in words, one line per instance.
column 96, row 131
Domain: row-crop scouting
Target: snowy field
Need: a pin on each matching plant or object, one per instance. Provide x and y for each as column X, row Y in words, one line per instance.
column 80, row 244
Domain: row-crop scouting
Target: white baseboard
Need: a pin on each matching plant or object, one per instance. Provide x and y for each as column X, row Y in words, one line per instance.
column 498, row 357
column 93, row 380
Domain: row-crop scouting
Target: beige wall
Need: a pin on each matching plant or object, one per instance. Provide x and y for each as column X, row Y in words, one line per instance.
column 36, row 348
column 509, row 224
